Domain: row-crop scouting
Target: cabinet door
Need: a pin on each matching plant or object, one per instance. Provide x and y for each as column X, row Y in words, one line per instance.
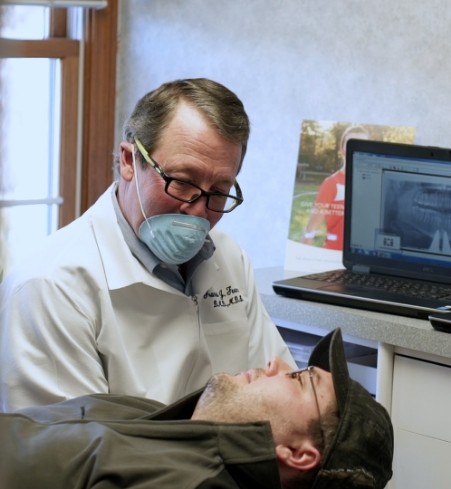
column 421, row 409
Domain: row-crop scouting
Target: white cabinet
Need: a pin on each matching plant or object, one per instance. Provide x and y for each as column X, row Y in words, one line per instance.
column 421, row 416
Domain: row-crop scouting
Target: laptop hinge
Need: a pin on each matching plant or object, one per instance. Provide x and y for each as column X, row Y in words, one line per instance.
column 360, row 269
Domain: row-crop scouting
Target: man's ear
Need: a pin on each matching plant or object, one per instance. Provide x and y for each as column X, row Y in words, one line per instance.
column 126, row 161
column 304, row 457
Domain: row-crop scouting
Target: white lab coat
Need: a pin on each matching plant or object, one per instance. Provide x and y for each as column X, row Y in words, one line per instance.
column 84, row 316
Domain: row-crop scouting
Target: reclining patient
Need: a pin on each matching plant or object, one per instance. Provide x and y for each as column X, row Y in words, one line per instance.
column 265, row 428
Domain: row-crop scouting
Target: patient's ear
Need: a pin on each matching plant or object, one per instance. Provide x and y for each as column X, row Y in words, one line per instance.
column 305, row 457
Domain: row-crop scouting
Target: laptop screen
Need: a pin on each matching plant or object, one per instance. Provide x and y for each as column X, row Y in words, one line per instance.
column 398, row 209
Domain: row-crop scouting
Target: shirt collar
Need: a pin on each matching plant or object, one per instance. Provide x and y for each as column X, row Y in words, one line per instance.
column 169, row 274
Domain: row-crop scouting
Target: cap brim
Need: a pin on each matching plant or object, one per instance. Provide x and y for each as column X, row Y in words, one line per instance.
column 329, row 354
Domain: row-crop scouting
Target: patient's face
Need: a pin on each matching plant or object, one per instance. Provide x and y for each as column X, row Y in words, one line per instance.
column 267, row 394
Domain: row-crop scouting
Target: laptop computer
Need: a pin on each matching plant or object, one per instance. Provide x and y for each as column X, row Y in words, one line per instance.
column 397, row 230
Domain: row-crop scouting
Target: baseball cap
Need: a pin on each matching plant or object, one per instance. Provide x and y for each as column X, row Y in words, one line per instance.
column 361, row 452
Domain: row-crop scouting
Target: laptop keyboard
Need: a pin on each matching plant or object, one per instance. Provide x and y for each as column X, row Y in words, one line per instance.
column 395, row 285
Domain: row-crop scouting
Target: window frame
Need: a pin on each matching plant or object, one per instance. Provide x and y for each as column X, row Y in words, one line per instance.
column 99, row 101
column 90, row 97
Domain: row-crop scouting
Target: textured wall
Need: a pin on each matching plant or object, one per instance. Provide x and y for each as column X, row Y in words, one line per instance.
column 373, row 61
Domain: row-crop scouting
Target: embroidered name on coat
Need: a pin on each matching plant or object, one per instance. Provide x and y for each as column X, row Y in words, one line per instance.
column 225, row 297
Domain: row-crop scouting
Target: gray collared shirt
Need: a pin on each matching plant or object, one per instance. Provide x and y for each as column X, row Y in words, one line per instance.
column 170, row 274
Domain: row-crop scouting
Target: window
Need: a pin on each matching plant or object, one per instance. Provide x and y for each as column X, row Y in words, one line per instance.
column 47, row 171
column 30, row 136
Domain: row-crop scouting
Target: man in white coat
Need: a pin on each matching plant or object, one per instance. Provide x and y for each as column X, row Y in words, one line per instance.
column 141, row 295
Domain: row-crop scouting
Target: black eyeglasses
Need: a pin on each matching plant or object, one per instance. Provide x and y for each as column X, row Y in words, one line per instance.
column 189, row 192
column 297, row 374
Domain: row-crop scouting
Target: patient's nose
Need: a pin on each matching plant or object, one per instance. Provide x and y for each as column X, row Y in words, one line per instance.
column 276, row 366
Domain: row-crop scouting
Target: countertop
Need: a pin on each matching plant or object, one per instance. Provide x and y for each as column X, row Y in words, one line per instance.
column 403, row 333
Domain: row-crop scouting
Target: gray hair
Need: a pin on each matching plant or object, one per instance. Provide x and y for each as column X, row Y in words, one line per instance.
column 153, row 112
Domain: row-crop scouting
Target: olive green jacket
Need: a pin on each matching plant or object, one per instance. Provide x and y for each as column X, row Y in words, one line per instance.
column 108, row 441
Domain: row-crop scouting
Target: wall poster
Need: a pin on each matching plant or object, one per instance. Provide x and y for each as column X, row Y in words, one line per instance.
column 315, row 237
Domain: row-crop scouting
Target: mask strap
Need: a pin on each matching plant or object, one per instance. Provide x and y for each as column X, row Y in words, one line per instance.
column 137, row 190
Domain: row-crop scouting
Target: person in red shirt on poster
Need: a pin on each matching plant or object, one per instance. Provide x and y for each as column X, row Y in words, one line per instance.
column 328, row 209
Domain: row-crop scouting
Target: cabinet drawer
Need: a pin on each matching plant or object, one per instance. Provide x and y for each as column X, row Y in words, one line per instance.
column 422, row 398
column 420, row 462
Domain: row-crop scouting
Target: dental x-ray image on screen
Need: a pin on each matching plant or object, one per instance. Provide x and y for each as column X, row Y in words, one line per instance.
column 417, row 213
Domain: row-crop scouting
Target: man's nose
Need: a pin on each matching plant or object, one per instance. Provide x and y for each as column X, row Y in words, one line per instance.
column 276, row 366
column 196, row 208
